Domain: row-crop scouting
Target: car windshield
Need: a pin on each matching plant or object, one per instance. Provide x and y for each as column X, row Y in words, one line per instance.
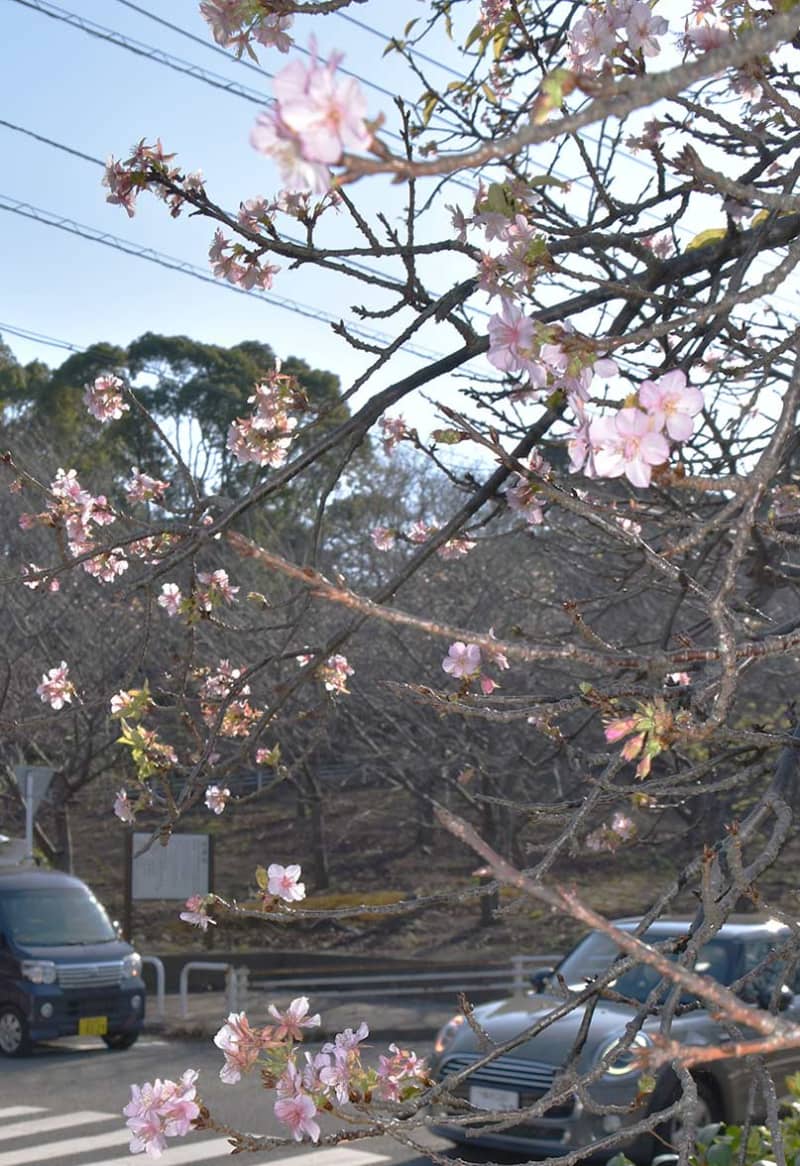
column 595, row 955
column 54, row 917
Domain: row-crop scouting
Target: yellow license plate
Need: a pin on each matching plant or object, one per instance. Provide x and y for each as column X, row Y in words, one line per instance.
column 93, row 1026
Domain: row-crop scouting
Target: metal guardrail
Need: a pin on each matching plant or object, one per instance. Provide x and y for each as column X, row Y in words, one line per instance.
column 232, row 983
column 160, row 982
column 514, row 978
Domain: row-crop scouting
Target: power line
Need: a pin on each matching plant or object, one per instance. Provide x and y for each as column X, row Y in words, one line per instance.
column 61, row 223
column 38, row 337
column 285, row 236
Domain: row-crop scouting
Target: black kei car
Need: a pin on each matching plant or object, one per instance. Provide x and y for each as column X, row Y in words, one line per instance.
column 516, row 1079
column 64, row 971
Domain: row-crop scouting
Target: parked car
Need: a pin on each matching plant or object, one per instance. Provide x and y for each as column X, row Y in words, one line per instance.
column 64, row 970
column 519, row 1077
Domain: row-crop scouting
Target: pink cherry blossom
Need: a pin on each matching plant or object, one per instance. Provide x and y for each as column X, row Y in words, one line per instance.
column 334, row 674
column 456, row 548
column 56, row 688
column 293, row 1020
column 628, row 444
column 142, row 488
column 400, row 1069
column 170, row 598
column 216, row 798
column 215, row 588
column 161, row 1110
column 511, row 336
column 298, row 1113
column 383, row 537
column 677, row 402
column 643, row 28
column 394, row 430
column 462, row 660
column 241, row 1045
column 104, row 400
column 123, row 807
column 196, row 912
column 317, row 117
column 284, row 882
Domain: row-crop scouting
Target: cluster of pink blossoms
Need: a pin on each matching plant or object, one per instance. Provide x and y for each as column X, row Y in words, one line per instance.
column 143, row 488
column 610, row 836
column 77, row 511
column 56, row 688
column 636, row 438
column 161, row 1110
column 333, row 1076
column 333, row 672
column 384, row 538
column 465, row 662
column 145, row 169
column 104, row 400
column 265, row 436
column 236, row 23
column 523, row 497
column 607, row 29
column 216, row 692
column 217, row 798
column 315, row 119
column 233, row 262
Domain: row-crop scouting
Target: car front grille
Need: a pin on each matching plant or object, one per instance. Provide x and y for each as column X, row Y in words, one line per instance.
column 530, row 1079
column 105, row 975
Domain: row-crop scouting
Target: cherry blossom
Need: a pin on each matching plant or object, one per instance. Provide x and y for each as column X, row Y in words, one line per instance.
column 33, row 583
column 142, row 488
column 334, row 673
column 383, row 538
column 284, row 882
column 672, row 398
column 170, row 598
column 104, row 400
column 123, row 807
column 217, row 799
column 394, row 430
column 298, row 1113
column 294, row 1019
column 235, row 23
column 511, row 337
column 215, row 588
column 196, row 912
column 462, row 660
column 397, row 1071
column 316, row 118
column 161, row 1110
column 456, row 548
column 628, row 443
column 643, row 28
column 241, row 1045
column 56, row 688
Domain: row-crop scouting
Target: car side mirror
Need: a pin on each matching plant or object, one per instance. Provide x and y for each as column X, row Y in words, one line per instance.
column 540, row 978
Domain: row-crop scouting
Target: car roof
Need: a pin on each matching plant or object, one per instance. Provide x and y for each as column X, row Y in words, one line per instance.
column 736, row 927
column 30, row 878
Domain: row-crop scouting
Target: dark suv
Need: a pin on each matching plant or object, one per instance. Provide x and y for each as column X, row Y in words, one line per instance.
column 64, row 971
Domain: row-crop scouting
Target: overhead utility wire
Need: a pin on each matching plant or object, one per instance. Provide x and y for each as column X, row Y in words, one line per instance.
column 38, row 337
column 61, row 223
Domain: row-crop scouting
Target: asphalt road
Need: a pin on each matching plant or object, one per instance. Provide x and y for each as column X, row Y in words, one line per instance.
column 63, row 1105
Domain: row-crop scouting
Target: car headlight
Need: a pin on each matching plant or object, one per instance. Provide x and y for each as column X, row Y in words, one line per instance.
column 625, row 1061
column 132, row 965
column 447, row 1032
column 39, row 971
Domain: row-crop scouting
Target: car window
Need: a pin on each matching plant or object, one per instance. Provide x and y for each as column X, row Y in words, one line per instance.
column 54, row 917
column 595, row 955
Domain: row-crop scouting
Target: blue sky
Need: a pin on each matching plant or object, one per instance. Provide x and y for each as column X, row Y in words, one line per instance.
column 95, row 97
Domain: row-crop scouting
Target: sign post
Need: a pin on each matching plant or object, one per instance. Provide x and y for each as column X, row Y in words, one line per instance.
column 33, row 782
column 177, row 871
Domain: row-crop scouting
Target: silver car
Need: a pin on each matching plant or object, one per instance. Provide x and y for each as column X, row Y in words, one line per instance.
column 613, row 1101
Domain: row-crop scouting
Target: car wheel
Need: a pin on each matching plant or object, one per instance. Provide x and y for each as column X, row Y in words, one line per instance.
column 707, row 1110
column 119, row 1041
column 15, row 1040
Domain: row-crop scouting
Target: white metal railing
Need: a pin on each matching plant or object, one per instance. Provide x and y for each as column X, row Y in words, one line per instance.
column 232, row 983
column 513, row 978
column 160, row 982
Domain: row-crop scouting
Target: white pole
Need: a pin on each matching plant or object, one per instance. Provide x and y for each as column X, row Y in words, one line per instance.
column 29, row 814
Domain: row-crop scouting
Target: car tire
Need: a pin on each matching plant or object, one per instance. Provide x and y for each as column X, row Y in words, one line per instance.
column 708, row 1111
column 119, row 1041
column 15, row 1038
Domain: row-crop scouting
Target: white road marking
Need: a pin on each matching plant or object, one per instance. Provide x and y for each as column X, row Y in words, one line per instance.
column 57, row 1121
column 184, row 1153
column 21, row 1110
column 54, row 1151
